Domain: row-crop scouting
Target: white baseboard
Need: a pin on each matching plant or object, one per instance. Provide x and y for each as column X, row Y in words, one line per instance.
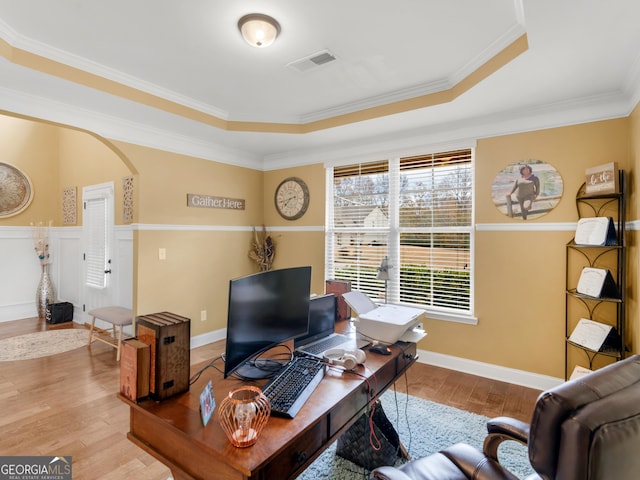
column 487, row 370
column 207, row 338
column 18, row 311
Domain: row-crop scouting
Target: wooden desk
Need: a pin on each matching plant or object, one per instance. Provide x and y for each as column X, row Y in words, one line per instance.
column 172, row 430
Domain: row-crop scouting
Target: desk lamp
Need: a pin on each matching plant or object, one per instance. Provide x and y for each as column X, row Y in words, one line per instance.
column 243, row 414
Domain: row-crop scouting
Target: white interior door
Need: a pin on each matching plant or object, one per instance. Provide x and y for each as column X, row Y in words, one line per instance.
column 98, row 240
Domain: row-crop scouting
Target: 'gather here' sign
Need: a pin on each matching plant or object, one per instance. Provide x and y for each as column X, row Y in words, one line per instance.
column 207, row 201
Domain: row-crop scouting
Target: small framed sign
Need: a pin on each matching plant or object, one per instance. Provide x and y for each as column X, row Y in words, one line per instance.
column 208, row 201
column 207, row 403
column 602, row 179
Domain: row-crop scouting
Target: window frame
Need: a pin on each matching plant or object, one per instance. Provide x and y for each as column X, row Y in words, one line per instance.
column 395, row 230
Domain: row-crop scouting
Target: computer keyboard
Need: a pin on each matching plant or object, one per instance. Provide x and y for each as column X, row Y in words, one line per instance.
column 291, row 387
column 318, row 348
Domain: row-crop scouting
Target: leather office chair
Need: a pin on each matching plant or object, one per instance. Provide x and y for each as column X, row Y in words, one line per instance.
column 584, row 429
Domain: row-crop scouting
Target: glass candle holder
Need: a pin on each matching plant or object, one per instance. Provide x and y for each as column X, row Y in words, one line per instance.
column 243, row 414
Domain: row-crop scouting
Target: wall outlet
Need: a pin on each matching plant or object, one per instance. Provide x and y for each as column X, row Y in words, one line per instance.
column 203, row 315
column 162, row 254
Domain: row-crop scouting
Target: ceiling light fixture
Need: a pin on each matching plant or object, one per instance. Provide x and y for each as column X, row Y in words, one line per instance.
column 258, row 30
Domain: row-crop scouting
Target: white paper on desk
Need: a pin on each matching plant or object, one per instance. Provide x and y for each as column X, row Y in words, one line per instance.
column 590, row 334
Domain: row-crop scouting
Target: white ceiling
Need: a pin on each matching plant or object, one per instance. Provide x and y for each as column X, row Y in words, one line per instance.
column 582, row 64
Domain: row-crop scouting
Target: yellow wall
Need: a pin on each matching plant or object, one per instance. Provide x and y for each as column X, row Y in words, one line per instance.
column 86, row 160
column 165, row 178
column 55, row 158
column 520, row 275
column 205, row 247
column 294, row 248
column 519, row 272
column 32, row 147
column 633, row 255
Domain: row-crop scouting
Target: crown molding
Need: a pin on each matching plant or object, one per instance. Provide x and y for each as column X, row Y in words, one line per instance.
column 573, row 112
column 17, row 41
column 576, row 111
column 20, row 42
column 120, row 129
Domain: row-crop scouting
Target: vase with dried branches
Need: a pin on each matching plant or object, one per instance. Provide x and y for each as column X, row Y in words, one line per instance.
column 45, row 294
column 263, row 249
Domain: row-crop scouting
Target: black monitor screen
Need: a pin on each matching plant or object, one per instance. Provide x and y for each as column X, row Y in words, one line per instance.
column 322, row 319
column 265, row 309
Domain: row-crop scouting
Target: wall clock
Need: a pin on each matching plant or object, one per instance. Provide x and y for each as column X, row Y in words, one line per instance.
column 292, row 198
column 16, row 191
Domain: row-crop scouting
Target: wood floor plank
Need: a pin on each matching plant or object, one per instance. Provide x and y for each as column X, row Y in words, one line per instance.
column 66, row 404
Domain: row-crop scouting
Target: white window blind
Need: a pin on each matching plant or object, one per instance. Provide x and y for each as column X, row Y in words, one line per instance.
column 96, row 255
column 360, row 224
column 417, row 212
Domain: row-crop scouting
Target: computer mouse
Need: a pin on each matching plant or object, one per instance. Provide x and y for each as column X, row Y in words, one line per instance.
column 380, row 349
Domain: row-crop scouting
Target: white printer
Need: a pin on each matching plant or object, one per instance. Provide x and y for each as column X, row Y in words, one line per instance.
column 386, row 323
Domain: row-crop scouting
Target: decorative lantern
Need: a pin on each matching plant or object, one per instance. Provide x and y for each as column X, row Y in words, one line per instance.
column 243, row 414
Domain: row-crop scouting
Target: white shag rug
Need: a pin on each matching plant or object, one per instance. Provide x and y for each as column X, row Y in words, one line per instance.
column 42, row 344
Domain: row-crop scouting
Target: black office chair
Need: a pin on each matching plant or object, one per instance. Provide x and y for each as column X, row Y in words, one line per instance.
column 584, row 429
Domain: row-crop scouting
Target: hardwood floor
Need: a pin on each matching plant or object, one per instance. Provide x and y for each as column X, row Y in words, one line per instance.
column 66, row 405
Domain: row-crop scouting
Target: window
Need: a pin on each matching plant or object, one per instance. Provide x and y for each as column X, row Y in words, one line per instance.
column 415, row 211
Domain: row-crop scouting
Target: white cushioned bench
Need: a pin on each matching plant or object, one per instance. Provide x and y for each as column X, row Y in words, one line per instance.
column 118, row 317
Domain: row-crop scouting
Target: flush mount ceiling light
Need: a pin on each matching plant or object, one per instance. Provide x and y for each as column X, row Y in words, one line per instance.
column 258, row 30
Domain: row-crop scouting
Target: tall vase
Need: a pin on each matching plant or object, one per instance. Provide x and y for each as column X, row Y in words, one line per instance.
column 45, row 293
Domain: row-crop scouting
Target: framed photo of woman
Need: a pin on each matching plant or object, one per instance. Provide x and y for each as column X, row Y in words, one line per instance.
column 527, row 189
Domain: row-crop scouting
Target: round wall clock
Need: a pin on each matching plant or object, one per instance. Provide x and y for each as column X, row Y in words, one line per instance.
column 292, row 198
column 16, row 192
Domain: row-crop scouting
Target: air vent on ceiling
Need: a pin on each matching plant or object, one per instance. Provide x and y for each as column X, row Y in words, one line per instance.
column 312, row 61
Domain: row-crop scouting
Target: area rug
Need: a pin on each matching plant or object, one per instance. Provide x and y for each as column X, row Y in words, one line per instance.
column 42, row 344
column 424, row 427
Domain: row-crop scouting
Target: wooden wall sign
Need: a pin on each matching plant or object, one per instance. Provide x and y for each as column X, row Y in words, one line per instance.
column 207, row 201
column 602, row 179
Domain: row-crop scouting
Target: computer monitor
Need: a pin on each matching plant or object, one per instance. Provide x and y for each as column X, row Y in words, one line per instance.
column 265, row 309
column 322, row 319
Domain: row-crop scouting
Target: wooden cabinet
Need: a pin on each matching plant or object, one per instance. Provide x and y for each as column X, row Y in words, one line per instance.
column 168, row 336
column 608, row 308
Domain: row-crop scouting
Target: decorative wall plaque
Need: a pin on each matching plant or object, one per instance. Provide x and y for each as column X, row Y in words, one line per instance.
column 69, row 206
column 16, row 191
column 602, row 179
column 207, row 201
column 127, row 199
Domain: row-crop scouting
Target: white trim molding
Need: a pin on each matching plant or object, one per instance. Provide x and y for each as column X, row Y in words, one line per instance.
column 207, row 338
column 487, row 370
column 527, row 227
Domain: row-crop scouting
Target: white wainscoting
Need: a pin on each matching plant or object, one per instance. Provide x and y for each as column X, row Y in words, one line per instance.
column 20, row 270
